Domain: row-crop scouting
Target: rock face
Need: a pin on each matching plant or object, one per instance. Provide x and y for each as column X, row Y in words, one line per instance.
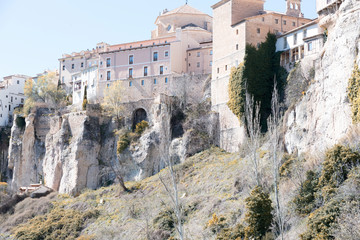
column 323, row 116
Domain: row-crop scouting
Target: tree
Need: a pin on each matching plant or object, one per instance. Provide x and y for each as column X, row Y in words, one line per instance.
column 44, row 90
column 274, row 123
column 258, row 215
column 252, row 116
column 237, row 91
column 85, row 102
column 113, row 96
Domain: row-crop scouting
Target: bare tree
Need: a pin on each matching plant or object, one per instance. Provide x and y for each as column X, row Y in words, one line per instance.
column 252, row 116
column 274, row 122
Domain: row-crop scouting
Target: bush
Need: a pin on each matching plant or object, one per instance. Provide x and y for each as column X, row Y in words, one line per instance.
column 305, row 200
column 166, row 220
column 58, row 224
column 336, row 167
column 320, row 222
column 123, row 143
column 141, row 126
column 353, row 93
column 216, row 224
column 235, row 233
column 258, row 216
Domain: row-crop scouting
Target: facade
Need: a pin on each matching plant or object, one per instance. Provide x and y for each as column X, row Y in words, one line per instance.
column 11, row 96
column 147, row 67
column 301, row 42
column 237, row 23
column 324, row 7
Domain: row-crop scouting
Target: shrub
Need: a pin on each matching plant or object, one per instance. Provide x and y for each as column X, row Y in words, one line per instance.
column 285, row 169
column 141, row 126
column 320, row 222
column 216, row 224
column 85, row 102
column 166, row 220
column 305, row 200
column 237, row 91
column 336, row 167
column 58, row 224
column 123, row 143
column 258, row 216
column 235, row 233
column 353, row 93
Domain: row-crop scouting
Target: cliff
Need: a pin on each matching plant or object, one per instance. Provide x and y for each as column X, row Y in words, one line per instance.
column 322, row 117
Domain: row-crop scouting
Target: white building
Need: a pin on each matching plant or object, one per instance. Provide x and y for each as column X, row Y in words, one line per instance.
column 88, row 78
column 304, row 41
column 324, row 7
column 11, row 96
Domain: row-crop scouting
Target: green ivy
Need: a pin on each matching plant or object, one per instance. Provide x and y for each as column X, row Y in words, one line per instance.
column 354, row 94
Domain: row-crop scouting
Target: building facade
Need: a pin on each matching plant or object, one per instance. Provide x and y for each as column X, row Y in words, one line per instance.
column 237, row 23
column 147, row 67
column 11, row 97
column 301, row 42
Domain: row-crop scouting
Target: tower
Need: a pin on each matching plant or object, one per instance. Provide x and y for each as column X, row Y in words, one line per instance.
column 241, row 9
column 293, row 8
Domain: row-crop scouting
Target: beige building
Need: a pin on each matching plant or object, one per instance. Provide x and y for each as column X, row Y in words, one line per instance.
column 237, row 23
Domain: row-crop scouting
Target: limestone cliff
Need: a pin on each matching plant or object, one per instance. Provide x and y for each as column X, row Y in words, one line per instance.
column 323, row 116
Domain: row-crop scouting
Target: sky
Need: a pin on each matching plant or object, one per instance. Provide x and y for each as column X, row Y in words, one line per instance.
column 35, row 33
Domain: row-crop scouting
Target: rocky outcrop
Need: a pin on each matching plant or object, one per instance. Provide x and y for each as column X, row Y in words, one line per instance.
column 323, row 116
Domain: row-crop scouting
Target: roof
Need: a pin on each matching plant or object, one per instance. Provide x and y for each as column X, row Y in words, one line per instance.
column 219, row 4
column 185, row 9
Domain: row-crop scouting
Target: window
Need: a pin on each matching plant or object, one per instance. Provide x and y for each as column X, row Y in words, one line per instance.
column 168, row 28
column 130, row 83
column 284, row 22
column 62, row 79
column 218, row 70
column 72, row 66
column 258, row 30
column 145, row 71
column 63, row 67
column 189, row 54
column 108, row 62
column 131, row 59
column 237, row 46
column 130, row 72
column 166, row 80
column 142, row 82
column 100, row 63
column 198, row 64
column 210, row 63
column 22, row 100
column 189, row 64
column 295, row 38
column 211, row 52
column 155, row 57
column 161, row 70
column 305, row 33
column 18, row 82
column 166, row 53
column 108, row 75
column 108, row 85
column 100, row 76
column 285, row 42
column 63, row 60
column 294, row 24
column 237, row 31
column 154, row 80
column 11, row 99
column 225, row 67
column 6, row 96
column 198, row 54
column 130, row 46
column 276, row 21
column 310, row 47
column 82, row 64
column 263, row 19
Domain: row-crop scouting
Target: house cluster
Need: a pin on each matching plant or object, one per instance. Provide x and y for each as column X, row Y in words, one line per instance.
column 185, row 42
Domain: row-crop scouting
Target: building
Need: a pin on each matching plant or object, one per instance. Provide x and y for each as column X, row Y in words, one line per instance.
column 237, row 23
column 11, row 97
column 180, row 44
column 324, row 7
column 301, row 42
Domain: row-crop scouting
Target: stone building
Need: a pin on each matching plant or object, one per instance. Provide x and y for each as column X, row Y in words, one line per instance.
column 146, row 68
column 301, row 42
column 11, row 96
column 324, row 7
column 237, row 23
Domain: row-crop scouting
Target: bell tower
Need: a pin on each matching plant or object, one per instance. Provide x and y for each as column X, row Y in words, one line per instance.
column 293, row 8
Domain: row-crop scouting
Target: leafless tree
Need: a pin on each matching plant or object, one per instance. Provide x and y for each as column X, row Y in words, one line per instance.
column 274, row 122
column 252, row 116
column 173, row 193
